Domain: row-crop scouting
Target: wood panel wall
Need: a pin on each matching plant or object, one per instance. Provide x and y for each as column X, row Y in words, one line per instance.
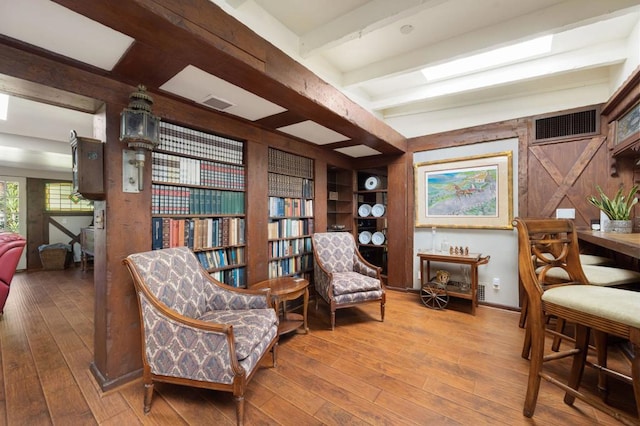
column 558, row 174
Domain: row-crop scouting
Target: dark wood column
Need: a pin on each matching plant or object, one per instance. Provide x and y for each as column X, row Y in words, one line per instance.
column 126, row 229
column 257, row 207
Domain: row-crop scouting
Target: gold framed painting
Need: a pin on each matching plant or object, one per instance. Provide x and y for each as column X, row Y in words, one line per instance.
column 469, row 192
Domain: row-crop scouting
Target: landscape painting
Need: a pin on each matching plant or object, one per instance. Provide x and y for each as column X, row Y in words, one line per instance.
column 470, row 192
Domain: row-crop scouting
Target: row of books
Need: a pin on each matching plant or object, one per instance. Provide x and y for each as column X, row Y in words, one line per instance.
column 283, row 248
column 182, row 140
column 290, row 164
column 234, row 277
column 281, row 207
column 169, row 199
column 287, row 228
column 191, row 171
column 290, row 266
column 289, row 186
column 197, row 234
column 221, row 258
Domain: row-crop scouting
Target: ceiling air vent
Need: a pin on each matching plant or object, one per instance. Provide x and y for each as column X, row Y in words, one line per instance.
column 216, row 103
column 579, row 123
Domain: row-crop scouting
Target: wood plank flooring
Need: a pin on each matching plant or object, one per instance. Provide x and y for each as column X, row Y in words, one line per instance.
column 418, row 367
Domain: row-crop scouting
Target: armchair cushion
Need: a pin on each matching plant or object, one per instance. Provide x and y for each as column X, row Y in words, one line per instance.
column 250, row 327
column 353, row 282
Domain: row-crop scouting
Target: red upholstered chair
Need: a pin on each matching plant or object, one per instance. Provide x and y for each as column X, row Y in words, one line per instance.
column 11, row 247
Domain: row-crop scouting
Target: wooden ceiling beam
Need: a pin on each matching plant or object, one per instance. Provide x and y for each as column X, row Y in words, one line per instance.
column 171, row 34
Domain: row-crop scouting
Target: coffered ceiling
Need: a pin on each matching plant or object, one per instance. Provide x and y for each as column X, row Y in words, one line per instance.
column 371, row 51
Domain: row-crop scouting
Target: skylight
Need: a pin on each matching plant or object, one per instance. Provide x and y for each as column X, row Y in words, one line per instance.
column 4, row 106
column 490, row 59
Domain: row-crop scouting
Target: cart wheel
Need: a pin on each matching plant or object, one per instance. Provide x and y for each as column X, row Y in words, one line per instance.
column 434, row 296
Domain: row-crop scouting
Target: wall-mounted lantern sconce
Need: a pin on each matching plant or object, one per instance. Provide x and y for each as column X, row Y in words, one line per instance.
column 140, row 130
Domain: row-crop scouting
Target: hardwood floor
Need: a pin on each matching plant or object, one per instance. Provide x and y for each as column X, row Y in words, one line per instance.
column 419, row 367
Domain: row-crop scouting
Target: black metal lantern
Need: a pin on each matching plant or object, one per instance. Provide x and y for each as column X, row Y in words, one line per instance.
column 140, row 130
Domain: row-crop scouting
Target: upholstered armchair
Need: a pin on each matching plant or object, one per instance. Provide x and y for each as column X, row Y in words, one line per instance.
column 11, row 248
column 197, row 331
column 342, row 277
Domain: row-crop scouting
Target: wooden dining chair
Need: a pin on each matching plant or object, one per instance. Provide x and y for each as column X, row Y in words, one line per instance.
column 601, row 310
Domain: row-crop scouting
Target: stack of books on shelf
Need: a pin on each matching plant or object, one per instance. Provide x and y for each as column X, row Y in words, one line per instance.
column 220, row 259
column 233, row 277
column 289, row 186
column 190, row 171
column 280, row 207
column 287, row 228
column 197, row 234
column 173, row 200
column 290, row 266
column 181, row 140
column 283, row 248
column 290, row 164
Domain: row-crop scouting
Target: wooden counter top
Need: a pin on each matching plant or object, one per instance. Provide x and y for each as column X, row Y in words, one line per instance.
column 628, row 244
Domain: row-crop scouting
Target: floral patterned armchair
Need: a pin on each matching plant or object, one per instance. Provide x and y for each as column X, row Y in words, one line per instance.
column 342, row 277
column 197, row 331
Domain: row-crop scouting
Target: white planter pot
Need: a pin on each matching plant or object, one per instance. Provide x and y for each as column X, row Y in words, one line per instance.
column 619, row 226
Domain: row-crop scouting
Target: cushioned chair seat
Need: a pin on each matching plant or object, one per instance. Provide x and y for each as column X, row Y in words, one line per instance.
column 590, row 259
column 609, row 303
column 250, row 327
column 363, row 296
column 600, row 275
column 353, row 282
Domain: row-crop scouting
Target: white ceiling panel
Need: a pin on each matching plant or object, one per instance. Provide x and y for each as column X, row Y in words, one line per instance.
column 52, row 27
column 313, row 132
column 197, row 85
column 358, row 151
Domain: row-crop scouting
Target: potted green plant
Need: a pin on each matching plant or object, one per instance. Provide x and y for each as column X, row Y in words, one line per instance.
column 617, row 209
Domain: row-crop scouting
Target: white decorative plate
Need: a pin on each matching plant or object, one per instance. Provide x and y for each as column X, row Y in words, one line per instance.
column 377, row 210
column 364, row 210
column 371, row 183
column 364, row 237
column 377, row 238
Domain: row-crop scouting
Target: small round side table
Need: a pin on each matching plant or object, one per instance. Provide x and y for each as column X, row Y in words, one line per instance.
column 283, row 289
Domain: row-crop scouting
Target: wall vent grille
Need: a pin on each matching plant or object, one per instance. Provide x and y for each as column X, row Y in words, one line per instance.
column 217, row 103
column 481, row 288
column 579, row 123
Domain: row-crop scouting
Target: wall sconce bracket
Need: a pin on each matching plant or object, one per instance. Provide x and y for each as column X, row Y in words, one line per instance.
column 130, row 172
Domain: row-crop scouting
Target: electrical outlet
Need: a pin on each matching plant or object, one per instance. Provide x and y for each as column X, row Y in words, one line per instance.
column 496, row 283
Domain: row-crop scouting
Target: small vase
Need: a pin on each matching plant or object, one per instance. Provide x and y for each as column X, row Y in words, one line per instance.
column 619, row 226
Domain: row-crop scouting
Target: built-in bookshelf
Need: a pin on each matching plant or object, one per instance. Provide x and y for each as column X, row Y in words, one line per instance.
column 339, row 199
column 198, row 199
column 370, row 217
column 291, row 222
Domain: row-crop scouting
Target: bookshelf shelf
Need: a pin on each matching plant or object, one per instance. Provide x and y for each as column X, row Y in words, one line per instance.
column 290, row 213
column 198, row 199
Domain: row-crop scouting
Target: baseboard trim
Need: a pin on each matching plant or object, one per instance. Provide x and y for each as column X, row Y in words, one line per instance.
column 107, row 385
